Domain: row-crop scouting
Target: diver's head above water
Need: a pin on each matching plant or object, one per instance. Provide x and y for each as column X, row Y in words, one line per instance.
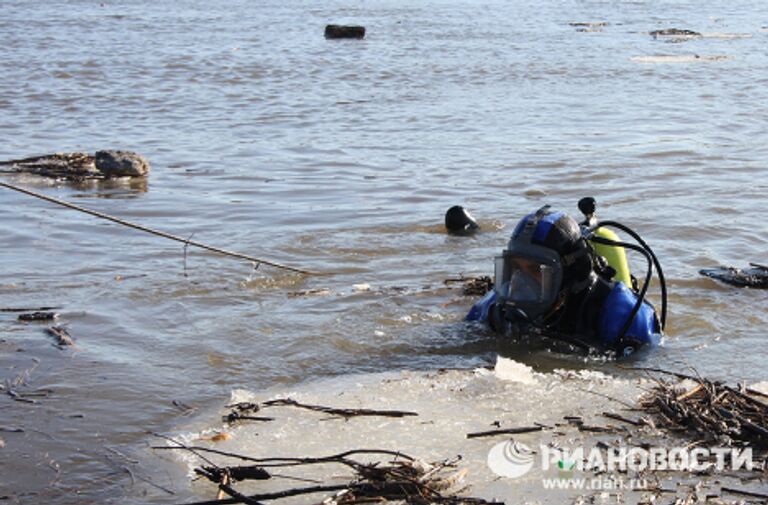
column 545, row 261
column 460, row 222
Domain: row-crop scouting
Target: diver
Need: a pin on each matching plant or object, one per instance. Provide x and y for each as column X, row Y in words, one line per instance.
column 458, row 221
column 570, row 282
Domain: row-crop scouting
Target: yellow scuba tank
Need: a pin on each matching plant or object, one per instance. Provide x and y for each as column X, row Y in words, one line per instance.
column 616, row 256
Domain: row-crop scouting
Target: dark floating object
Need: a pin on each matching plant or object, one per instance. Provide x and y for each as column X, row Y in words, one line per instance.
column 38, row 316
column 596, row 26
column 590, row 24
column 459, row 222
column 78, row 166
column 755, row 277
column 674, row 34
column 62, row 336
column 473, row 286
column 344, row 32
column 235, row 473
column 121, row 164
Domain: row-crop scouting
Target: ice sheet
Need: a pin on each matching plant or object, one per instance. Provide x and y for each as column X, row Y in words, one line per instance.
column 450, row 404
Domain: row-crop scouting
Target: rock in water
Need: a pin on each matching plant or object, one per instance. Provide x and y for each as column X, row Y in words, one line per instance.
column 121, row 164
column 344, row 32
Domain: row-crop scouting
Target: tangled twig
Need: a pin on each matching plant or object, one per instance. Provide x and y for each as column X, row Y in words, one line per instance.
column 711, row 410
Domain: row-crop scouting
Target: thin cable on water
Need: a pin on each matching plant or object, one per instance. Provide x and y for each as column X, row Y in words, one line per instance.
column 159, row 233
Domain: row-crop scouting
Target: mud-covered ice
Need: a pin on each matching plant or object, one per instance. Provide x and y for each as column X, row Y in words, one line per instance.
column 450, row 404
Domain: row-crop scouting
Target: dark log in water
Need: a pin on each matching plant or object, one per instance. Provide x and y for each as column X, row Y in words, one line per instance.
column 57, row 165
column 79, row 166
column 344, row 32
column 755, row 277
column 38, row 316
column 674, row 33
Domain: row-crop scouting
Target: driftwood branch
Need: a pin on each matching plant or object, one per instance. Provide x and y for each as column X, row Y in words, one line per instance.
column 507, row 431
column 402, row 479
column 617, row 417
column 283, row 462
column 62, row 336
column 345, row 413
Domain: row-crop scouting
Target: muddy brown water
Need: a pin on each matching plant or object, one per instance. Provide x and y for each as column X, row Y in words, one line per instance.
column 341, row 157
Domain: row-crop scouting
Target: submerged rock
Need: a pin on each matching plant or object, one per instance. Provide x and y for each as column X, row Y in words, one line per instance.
column 121, row 164
column 344, row 32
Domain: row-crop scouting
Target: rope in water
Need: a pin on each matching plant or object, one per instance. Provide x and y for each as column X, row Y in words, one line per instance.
column 155, row 232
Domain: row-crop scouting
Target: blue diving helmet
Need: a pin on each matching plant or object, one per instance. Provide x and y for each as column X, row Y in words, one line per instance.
column 545, row 260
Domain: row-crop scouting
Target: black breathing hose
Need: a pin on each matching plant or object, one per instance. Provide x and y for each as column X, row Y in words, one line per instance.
column 656, row 264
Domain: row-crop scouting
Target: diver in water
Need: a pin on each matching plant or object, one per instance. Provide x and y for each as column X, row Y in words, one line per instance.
column 458, row 221
column 553, row 280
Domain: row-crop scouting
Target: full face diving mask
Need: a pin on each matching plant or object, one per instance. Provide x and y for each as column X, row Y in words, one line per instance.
column 528, row 277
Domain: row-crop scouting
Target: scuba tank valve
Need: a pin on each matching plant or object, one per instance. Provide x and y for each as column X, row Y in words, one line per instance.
column 615, row 255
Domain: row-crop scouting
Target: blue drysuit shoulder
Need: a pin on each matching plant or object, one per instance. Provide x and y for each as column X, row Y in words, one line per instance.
column 618, row 306
column 479, row 311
